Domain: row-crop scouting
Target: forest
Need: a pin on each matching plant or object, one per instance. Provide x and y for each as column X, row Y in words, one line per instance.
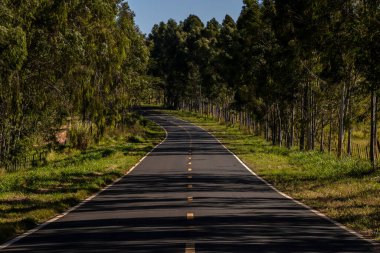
column 289, row 86
column 302, row 74
column 75, row 62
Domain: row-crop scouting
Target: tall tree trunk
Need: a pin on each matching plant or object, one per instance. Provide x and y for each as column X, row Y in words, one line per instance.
column 267, row 127
column 309, row 119
column 314, row 123
column 291, row 139
column 274, row 127
column 373, row 137
column 330, row 131
column 341, row 122
column 279, row 138
column 321, row 147
column 347, row 117
column 304, row 116
column 349, row 128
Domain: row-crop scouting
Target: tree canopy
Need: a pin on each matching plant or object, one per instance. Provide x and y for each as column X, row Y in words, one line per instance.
column 298, row 72
column 61, row 59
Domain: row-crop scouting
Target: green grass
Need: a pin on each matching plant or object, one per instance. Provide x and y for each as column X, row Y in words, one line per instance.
column 346, row 190
column 30, row 197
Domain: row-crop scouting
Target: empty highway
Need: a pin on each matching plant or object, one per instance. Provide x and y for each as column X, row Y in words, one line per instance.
column 190, row 194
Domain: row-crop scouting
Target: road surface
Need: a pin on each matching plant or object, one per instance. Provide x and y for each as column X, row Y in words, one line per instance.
column 190, row 195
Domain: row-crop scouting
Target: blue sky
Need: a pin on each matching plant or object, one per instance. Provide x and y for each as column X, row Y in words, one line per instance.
column 150, row 12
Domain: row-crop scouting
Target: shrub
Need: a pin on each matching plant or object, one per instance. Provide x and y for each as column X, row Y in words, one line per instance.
column 135, row 139
column 80, row 135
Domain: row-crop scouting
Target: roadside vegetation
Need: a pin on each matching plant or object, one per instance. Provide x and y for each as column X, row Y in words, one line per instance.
column 71, row 74
column 66, row 64
column 294, row 85
column 301, row 73
column 31, row 196
column 346, row 190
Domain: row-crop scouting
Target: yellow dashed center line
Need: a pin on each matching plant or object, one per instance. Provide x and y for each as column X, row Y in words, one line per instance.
column 190, row 248
column 190, row 216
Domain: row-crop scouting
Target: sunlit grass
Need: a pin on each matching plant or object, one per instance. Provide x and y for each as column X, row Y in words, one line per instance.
column 347, row 189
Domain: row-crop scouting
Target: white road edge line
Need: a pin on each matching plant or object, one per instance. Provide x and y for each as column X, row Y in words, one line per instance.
column 360, row 236
column 59, row 216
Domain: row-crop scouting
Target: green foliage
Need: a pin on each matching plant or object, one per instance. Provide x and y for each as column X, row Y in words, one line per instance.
column 13, row 48
column 298, row 72
column 80, row 135
column 29, row 197
column 346, row 190
column 62, row 59
column 135, row 139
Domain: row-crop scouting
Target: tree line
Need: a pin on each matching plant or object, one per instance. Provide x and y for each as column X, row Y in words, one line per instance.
column 58, row 59
column 300, row 73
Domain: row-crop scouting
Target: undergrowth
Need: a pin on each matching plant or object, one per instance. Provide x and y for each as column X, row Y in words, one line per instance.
column 31, row 196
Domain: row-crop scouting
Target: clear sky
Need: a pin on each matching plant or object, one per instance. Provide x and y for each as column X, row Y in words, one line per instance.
column 150, row 12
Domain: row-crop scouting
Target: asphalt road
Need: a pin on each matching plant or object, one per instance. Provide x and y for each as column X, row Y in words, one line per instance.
column 190, row 195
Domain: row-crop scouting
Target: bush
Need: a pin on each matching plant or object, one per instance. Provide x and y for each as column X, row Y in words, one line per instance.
column 135, row 139
column 108, row 152
column 80, row 135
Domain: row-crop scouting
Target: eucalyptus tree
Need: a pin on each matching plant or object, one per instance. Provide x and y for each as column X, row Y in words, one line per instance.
column 13, row 54
column 296, row 68
column 130, row 84
column 167, row 61
column 227, row 43
column 369, row 62
column 211, row 80
column 65, row 58
column 249, row 52
column 338, row 58
column 192, row 52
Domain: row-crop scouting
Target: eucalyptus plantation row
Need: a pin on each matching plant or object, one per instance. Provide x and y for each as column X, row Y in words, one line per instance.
column 301, row 73
column 78, row 59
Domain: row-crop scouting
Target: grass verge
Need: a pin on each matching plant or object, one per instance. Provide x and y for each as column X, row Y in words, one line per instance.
column 30, row 197
column 347, row 190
